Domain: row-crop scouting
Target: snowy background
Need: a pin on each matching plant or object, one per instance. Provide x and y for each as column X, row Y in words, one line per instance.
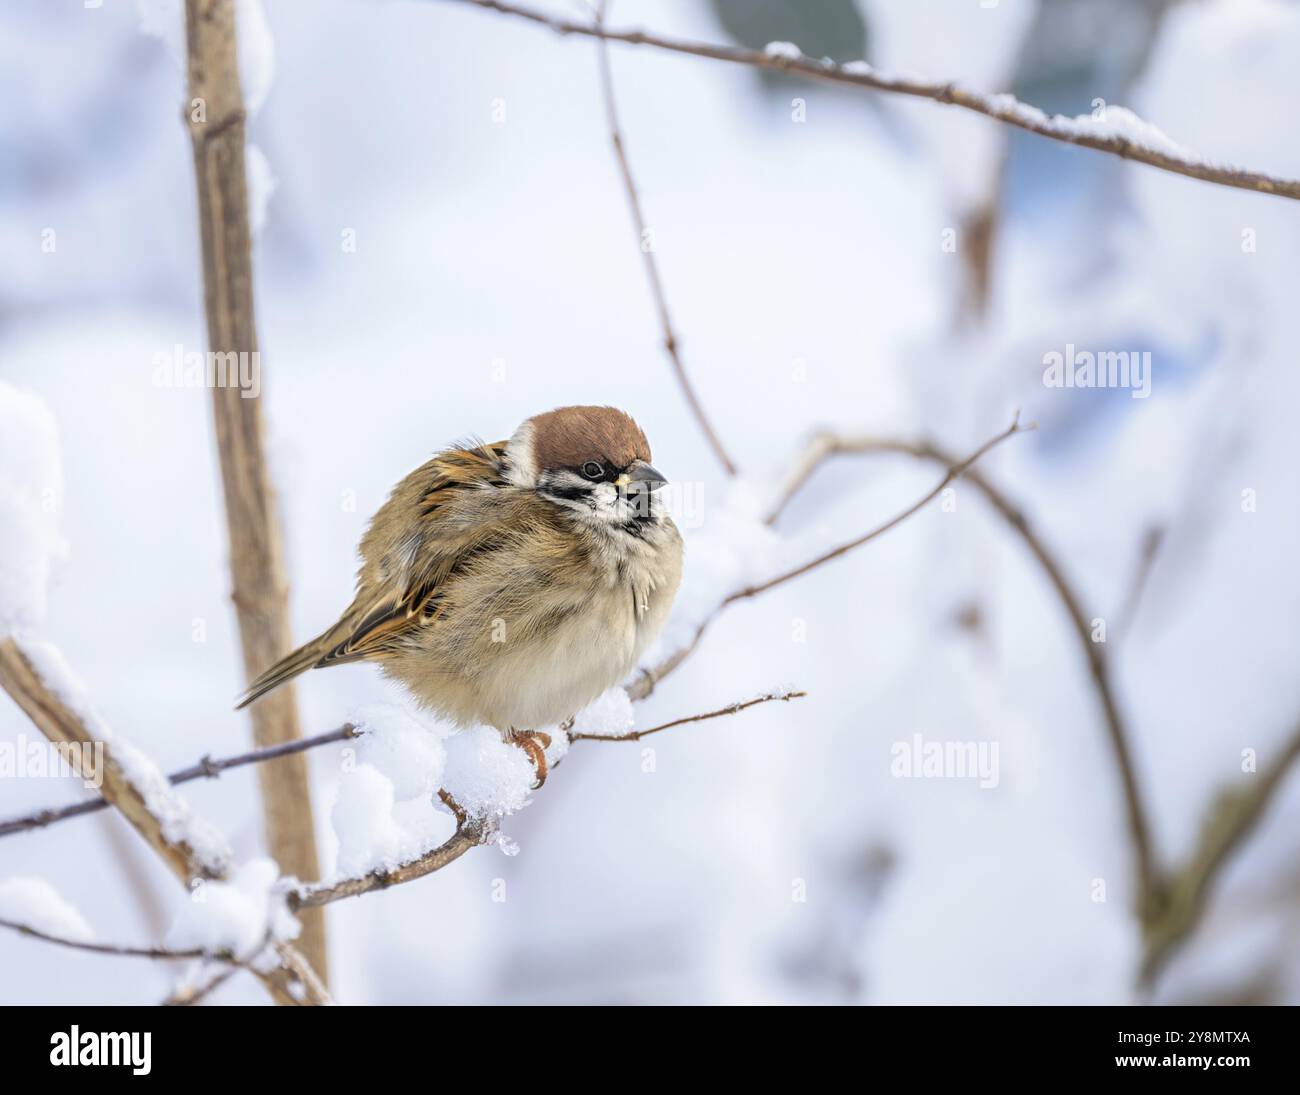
column 770, row 857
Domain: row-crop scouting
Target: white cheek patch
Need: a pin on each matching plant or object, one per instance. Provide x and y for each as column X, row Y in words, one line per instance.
column 521, row 471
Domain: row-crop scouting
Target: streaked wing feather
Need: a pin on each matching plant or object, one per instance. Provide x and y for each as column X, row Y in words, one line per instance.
column 379, row 625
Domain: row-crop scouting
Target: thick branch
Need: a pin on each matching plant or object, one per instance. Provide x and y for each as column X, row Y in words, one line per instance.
column 648, row 255
column 1003, row 108
column 259, row 590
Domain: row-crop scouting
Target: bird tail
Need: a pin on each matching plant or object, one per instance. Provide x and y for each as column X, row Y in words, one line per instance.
column 305, row 657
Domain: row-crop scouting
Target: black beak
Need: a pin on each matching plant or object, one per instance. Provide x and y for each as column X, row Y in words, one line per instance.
column 642, row 478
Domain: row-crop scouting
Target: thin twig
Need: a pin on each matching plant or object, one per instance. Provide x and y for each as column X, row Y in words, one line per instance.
column 469, row 834
column 163, row 953
column 954, row 471
column 1003, row 108
column 1147, row 871
column 732, row 709
column 649, row 677
column 190, row 996
column 671, row 344
column 1152, row 541
column 207, row 768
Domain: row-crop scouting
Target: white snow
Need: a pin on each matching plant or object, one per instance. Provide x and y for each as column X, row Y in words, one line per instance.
column 785, row 51
column 165, row 20
column 609, row 715
column 31, row 498
column 397, row 744
column 256, row 54
column 386, row 812
column 58, row 676
column 235, row 916
column 36, row 904
column 180, row 825
column 487, row 776
column 376, row 831
column 262, row 184
column 1111, row 123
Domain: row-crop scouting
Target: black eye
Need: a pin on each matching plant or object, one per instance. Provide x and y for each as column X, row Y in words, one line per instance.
column 592, row 470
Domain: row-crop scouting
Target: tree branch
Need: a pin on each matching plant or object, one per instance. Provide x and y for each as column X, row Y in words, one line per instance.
column 1149, row 881
column 292, row 980
column 163, row 953
column 648, row 255
column 1003, row 108
column 259, row 589
column 471, row 832
column 1232, row 817
column 648, row 678
column 731, row 709
column 207, row 768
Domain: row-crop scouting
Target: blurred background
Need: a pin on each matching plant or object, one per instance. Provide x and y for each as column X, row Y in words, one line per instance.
column 882, row 267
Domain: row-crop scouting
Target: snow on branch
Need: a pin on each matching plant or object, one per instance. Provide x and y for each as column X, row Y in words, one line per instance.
column 39, row 681
column 1118, row 131
column 478, row 818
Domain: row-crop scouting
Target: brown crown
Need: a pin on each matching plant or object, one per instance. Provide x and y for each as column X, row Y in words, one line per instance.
column 567, row 437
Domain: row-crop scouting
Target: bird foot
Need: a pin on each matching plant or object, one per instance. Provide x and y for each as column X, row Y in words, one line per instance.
column 534, row 743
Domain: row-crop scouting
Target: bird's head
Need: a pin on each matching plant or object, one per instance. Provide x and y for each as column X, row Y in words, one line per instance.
column 594, row 461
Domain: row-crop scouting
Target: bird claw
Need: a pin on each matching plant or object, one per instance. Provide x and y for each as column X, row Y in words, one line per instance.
column 534, row 743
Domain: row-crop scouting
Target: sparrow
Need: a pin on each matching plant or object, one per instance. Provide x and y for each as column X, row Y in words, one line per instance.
column 510, row 584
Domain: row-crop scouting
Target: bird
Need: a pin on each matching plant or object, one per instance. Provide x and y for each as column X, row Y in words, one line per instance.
column 511, row 584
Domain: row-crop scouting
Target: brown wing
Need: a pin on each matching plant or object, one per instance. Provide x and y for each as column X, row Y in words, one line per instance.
column 406, row 563
column 422, row 535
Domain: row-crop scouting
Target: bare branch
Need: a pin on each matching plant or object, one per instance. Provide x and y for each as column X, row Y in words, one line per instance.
column 292, row 980
column 732, row 709
column 259, row 588
column 1152, row 541
column 1232, row 817
column 207, row 768
column 671, row 344
column 1148, row 877
column 191, row 995
column 954, row 471
column 1002, row 108
column 163, row 953
column 471, row 832
column 647, row 680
